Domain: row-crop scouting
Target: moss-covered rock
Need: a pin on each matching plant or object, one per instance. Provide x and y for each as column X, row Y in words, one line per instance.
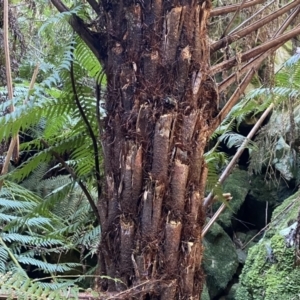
column 270, row 272
column 232, row 293
column 238, row 185
column 205, row 294
column 270, row 191
column 220, row 260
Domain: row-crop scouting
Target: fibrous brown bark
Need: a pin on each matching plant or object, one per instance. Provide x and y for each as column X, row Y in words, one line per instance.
column 159, row 101
column 162, row 105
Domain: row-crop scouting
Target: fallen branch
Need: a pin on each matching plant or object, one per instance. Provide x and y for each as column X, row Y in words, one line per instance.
column 280, row 40
column 223, row 10
column 209, row 199
column 14, row 143
column 232, row 78
column 227, row 40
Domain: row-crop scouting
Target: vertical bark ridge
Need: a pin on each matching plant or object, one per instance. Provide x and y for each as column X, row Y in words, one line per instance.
column 159, row 100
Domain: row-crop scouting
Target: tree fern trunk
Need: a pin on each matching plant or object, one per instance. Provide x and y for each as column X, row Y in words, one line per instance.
column 160, row 101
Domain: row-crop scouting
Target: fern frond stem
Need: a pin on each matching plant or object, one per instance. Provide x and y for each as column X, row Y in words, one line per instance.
column 94, row 41
column 12, row 256
column 15, row 140
column 241, row 5
column 232, row 78
column 74, row 176
column 223, row 10
column 227, row 40
column 208, row 200
column 274, row 42
column 53, row 277
column 90, row 130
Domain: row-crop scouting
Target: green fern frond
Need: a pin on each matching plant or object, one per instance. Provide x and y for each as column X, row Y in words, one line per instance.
column 87, row 59
column 233, row 139
column 15, row 285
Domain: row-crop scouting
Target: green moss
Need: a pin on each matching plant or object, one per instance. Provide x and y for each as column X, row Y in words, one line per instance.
column 205, row 294
column 220, row 260
column 270, row 191
column 240, row 179
column 286, row 213
column 269, row 277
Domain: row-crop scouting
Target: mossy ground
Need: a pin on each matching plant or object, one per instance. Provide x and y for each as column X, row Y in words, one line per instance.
column 270, row 272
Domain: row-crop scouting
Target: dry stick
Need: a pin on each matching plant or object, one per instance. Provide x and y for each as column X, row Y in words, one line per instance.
column 232, row 78
column 255, row 51
column 15, row 139
column 235, row 97
column 250, row 18
column 241, row 6
column 32, row 82
column 212, row 220
column 223, row 10
column 208, row 200
column 225, row 41
column 252, row 66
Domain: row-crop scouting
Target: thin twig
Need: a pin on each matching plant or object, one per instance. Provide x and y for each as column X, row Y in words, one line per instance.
column 250, row 18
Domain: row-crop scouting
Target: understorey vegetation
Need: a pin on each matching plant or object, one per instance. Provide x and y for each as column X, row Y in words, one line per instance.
column 116, row 122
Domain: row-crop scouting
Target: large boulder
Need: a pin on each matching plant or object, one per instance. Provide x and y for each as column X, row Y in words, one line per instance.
column 238, row 185
column 270, row 272
column 205, row 294
column 263, row 197
column 220, row 260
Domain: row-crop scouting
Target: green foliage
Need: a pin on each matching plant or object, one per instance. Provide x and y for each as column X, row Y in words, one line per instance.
column 267, row 277
column 275, row 142
column 270, row 268
column 15, row 285
column 46, row 220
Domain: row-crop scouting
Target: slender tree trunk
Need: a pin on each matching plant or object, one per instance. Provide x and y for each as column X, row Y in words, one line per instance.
column 160, row 101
